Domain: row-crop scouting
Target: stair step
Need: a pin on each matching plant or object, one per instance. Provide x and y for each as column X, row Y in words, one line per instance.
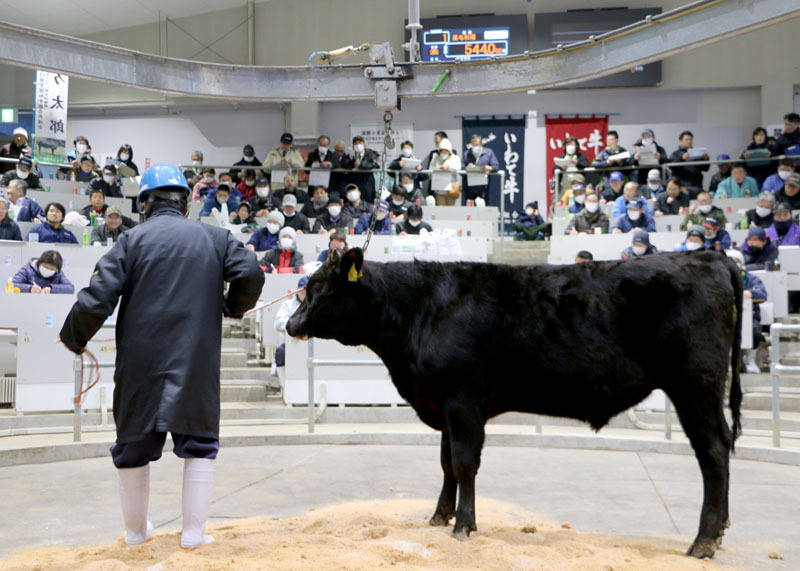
column 248, row 392
column 240, row 373
column 763, row 401
column 231, row 359
column 752, row 382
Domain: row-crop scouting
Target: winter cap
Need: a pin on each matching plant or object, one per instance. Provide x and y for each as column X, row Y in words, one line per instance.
column 649, row 132
column 302, row 282
column 616, row 175
column 113, row 210
column 712, row 221
column 110, row 169
column 383, row 205
column 641, row 237
column 794, row 179
column 696, row 230
column 578, row 178
column 86, row 158
column 351, row 186
column 723, row 157
column 25, row 162
column 20, row 131
column 287, row 138
column 248, row 151
column 246, row 205
column 635, row 203
column 735, row 255
column 654, row 174
column 288, row 231
column 783, row 206
column 276, row 216
column 446, row 145
column 289, row 200
column 262, row 181
column 758, row 232
column 333, row 198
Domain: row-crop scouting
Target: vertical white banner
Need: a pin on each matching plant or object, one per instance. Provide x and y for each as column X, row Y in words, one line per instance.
column 50, row 119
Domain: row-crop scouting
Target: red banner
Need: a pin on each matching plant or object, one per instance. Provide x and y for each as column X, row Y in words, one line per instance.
column 590, row 132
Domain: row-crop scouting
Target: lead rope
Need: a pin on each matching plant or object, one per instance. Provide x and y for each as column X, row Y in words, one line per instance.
column 94, row 373
column 388, row 143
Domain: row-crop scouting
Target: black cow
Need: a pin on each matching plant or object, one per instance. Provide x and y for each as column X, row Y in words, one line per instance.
column 464, row 342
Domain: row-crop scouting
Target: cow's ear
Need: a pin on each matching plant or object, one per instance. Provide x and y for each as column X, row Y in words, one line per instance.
column 351, row 263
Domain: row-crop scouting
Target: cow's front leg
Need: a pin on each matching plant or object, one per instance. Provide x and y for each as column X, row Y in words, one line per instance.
column 465, row 423
column 446, row 508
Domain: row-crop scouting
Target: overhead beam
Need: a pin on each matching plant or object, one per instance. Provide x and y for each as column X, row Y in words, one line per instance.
column 706, row 23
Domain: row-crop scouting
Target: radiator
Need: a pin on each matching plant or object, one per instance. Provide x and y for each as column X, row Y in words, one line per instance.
column 8, row 388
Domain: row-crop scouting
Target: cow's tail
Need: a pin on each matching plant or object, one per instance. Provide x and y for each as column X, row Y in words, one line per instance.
column 736, row 354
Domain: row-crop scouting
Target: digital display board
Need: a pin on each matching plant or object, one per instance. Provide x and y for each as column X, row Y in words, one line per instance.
column 472, row 38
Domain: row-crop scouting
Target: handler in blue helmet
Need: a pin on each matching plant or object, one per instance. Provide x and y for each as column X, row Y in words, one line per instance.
column 170, row 273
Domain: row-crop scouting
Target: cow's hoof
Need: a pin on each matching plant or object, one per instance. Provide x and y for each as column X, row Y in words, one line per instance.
column 462, row 535
column 703, row 549
column 440, row 520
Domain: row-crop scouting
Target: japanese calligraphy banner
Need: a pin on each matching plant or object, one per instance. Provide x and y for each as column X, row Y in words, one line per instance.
column 590, row 131
column 506, row 137
column 374, row 134
column 50, row 119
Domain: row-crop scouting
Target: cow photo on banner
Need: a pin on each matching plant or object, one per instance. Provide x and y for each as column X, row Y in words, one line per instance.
column 590, row 131
column 505, row 137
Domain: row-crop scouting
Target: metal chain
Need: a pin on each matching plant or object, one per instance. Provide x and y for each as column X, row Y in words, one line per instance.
column 388, row 143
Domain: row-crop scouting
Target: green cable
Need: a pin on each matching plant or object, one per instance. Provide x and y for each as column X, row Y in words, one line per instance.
column 441, row 81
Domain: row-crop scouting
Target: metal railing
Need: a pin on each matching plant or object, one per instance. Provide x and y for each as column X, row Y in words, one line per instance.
column 77, row 366
column 775, row 369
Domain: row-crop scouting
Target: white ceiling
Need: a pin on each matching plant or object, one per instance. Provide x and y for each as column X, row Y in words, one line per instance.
column 82, row 17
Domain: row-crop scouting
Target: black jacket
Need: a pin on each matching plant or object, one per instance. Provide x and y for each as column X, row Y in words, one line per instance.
column 255, row 164
column 170, row 273
column 691, row 175
column 32, row 181
column 365, row 180
column 324, row 222
column 682, row 200
column 404, row 226
column 313, row 157
column 793, row 201
column 9, row 230
column 299, row 222
column 114, row 190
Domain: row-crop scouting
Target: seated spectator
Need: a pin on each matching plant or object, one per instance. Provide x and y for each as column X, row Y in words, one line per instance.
column 43, row 275
column 630, row 192
column 578, row 197
column 691, row 175
column 703, row 208
column 672, row 200
column 413, row 224
column 723, row 173
column 284, row 157
column 333, row 219
column 84, row 172
column 717, row 238
column 648, row 140
column 287, row 309
column 612, row 192
column 81, row 147
column 695, row 240
column 590, row 220
column 266, row 238
column 289, row 187
column 262, row 202
column 8, row 228
column 248, row 184
column 760, row 147
column 407, row 152
column 753, row 288
column 245, row 215
column 761, row 215
column 634, row 218
column 791, row 191
column 354, row 207
column 654, row 186
column 23, row 209
column 98, row 205
column 340, row 160
column 53, row 230
column 23, row 173
column 640, row 246
column 337, row 241
column 576, row 179
column 14, row 149
column 125, row 157
column 602, row 159
column 249, row 159
column 109, row 184
column 364, row 159
column 758, row 250
column 789, row 141
column 738, row 185
column 572, row 153
column 207, row 183
column 294, row 219
column 318, row 204
column 284, row 258
column 530, row 225
column 215, row 200
column 784, row 231
column 414, row 192
column 447, row 160
column 322, row 156
column 383, row 224
column 398, row 204
column 774, row 182
column 113, row 226
column 478, row 156
column 583, row 256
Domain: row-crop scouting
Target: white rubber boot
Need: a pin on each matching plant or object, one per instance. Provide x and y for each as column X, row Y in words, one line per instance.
column 134, row 495
column 198, row 481
column 750, row 361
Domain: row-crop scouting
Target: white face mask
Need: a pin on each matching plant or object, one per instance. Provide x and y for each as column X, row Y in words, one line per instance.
column 124, row 156
column 46, row 272
column 592, row 207
column 443, row 155
column 197, row 163
column 248, row 159
column 705, row 208
column 691, row 246
column 22, row 174
column 81, row 148
column 784, row 174
column 529, row 211
column 647, row 141
column 634, row 214
column 398, row 202
column 639, row 250
column 407, row 151
column 287, row 243
column 353, row 195
column 109, row 178
column 322, row 151
column 334, row 211
column 220, row 200
column 580, row 199
column 571, row 149
column 653, row 185
column 273, row 228
column 763, row 212
column 477, row 149
column 208, row 179
column 250, row 182
column 359, row 148
column 409, row 186
column 414, row 223
column 262, row 191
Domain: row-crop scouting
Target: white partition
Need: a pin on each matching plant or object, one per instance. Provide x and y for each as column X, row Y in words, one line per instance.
column 275, row 286
column 344, row 385
column 777, row 291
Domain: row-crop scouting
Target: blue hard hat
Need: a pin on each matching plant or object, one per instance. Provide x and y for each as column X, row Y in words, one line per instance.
column 163, row 176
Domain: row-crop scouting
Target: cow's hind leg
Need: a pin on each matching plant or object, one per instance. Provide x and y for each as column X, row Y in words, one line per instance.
column 702, row 418
column 446, row 508
column 465, row 423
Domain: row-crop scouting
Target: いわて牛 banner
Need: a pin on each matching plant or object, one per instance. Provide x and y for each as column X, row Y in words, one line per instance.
column 506, row 137
column 50, row 120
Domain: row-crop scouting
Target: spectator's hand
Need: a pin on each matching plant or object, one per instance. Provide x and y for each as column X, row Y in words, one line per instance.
column 752, row 225
column 401, row 162
column 573, row 232
column 747, row 294
column 443, row 168
column 685, row 156
column 658, row 213
column 746, row 154
column 487, row 168
column 705, row 156
column 769, row 153
column 36, row 221
column 419, row 167
column 470, row 165
column 285, row 160
column 327, row 164
column 36, row 289
column 402, row 234
column 298, row 232
column 724, row 196
column 670, row 200
column 657, row 155
column 46, row 289
column 322, row 231
column 616, row 231
column 603, row 202
column 262, row 213
column 250, row 247
column 637, row 156
column 315, row 164
column 574, row 161
column 332, row 230
column 692, row 208
column 356, row 164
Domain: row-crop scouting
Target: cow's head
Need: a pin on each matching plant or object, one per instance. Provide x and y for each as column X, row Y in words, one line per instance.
column 335, row 299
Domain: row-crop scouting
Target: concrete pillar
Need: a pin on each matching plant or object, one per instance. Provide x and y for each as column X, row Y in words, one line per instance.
column 302, row 119
column 777, row 99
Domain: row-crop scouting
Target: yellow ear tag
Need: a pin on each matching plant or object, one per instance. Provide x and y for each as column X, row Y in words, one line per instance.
column 353, row 275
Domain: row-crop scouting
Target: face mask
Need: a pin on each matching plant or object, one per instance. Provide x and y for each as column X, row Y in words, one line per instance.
column 197, row 163
column 414, row 223
column 571, row 149
column 81, row 148
column 287, row 243
column 353, row 195
column 322, row 151
column 592, row 207
column 359, row 148
column 381, row 214
column 250, row 182
column 477, row 149
column 334, row 211
column 634, row 215
column 109, row 179
column 691, row 246
column 248, row 159
column 755, row 249
column 647, row 141
column 273, row 228
column 407, row 151
column 124, row 156
column 22, row 174
column 705, row 208
column 783, row 225
column 262, row 191
column 784, row 174
column 529, row 211
column 443, row 155
column 46, row 273
column 409, row 186
column 398, row 202
column 763, row 212
column 639, row 250
column 580, row 199
column 653, row 185
column 220, row 200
